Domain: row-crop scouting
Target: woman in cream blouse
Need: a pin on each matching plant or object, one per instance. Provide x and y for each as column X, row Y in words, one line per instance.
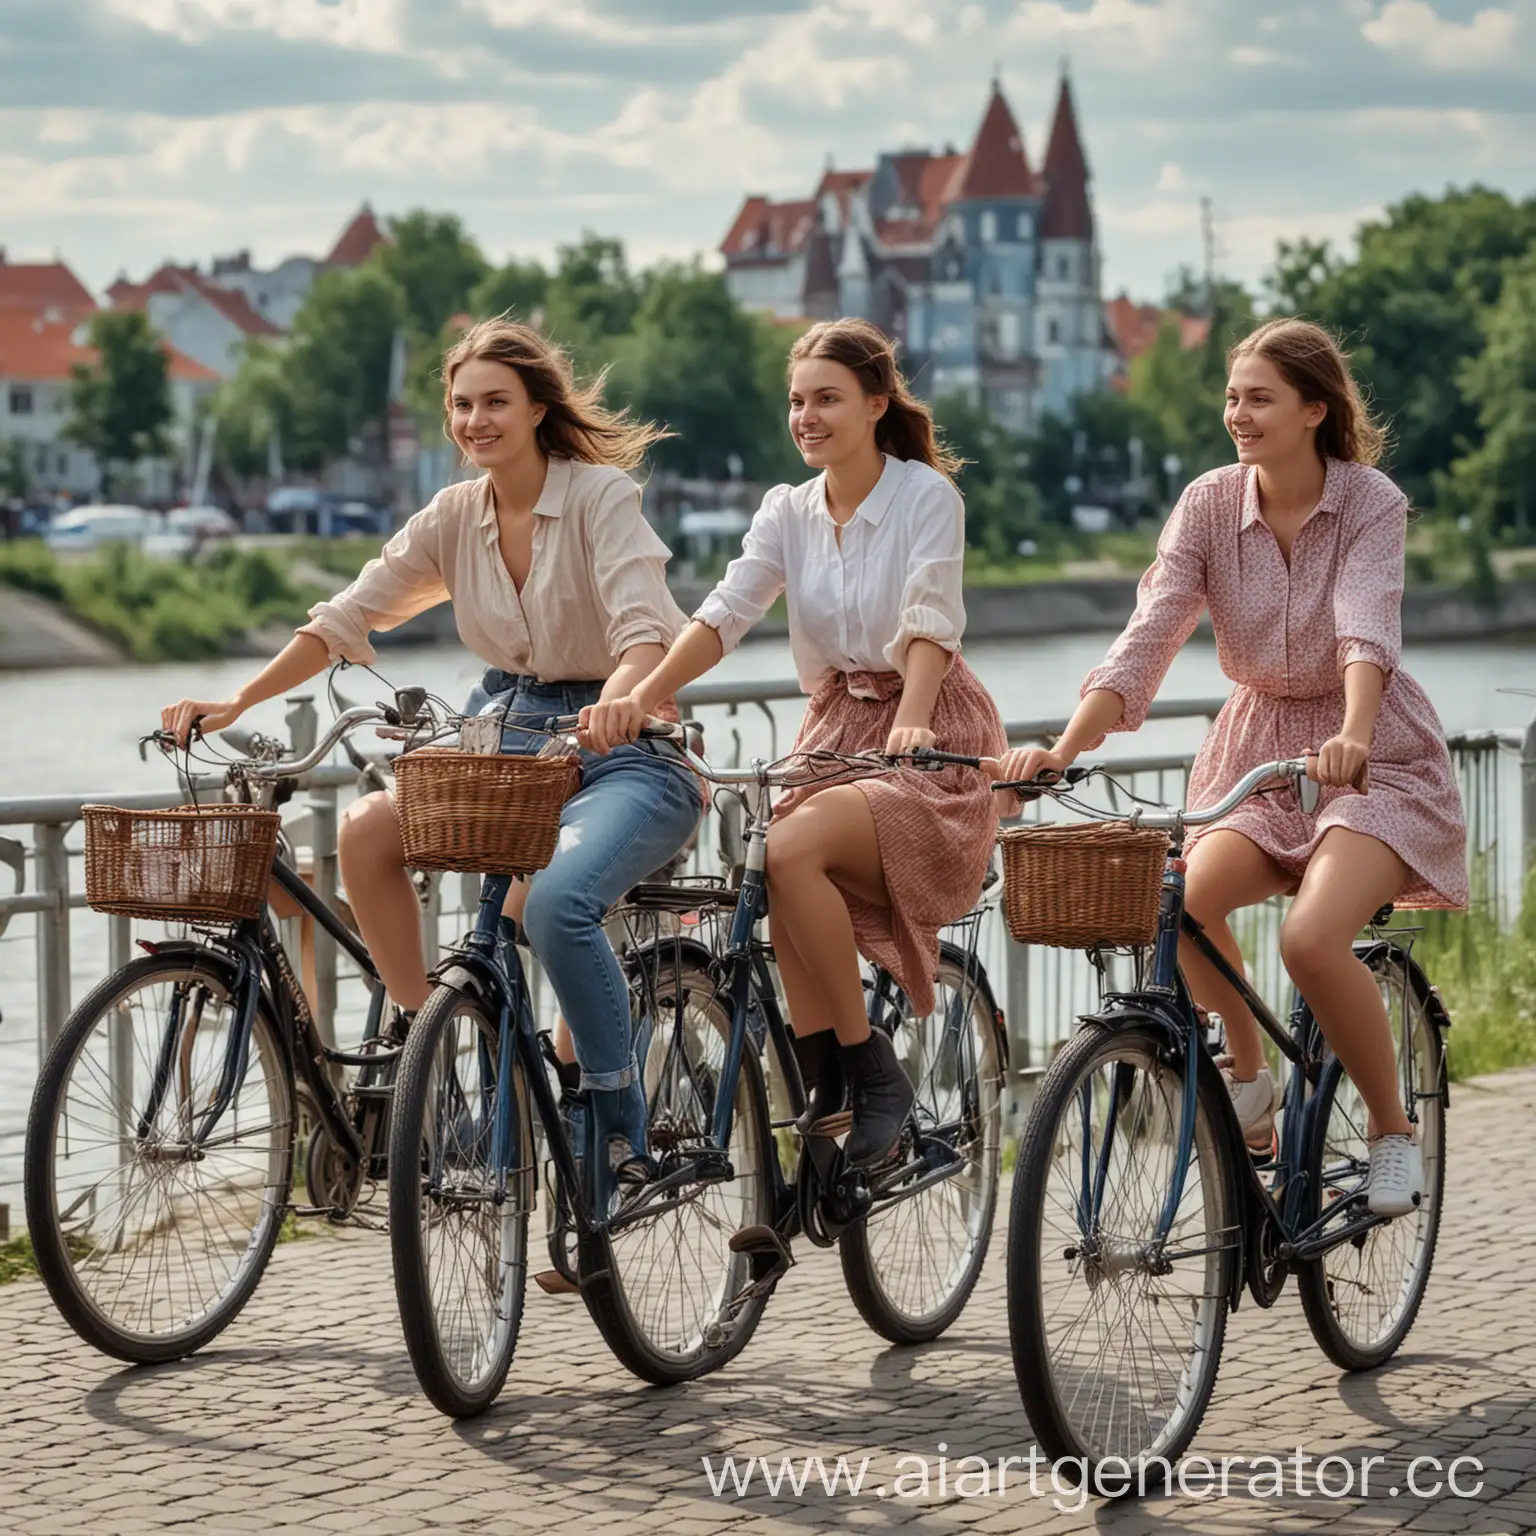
column 557, row 583
column 869, row 556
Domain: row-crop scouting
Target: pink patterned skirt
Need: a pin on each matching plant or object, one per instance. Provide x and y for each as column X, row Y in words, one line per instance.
column 1412, row 803
column 935, row 830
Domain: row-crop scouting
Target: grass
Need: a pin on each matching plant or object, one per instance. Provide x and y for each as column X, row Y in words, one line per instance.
column 163, row 610
column 1487, row 977
column 16, row 1259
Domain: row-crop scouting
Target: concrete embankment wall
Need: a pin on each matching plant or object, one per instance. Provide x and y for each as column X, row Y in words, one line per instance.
column 34, row 633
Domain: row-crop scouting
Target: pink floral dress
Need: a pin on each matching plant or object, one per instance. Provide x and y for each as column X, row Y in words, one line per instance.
column 1284, row 636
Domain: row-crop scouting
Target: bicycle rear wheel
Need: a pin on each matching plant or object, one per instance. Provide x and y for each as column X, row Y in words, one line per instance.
column 1362, row 1297
column 1116, row 1348
column 911, row 1266
column 149, row 1243
column 668, row 1293
column 458, row 1230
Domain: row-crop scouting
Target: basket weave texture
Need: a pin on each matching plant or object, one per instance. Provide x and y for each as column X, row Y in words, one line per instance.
column 480, row 813
column 203, row 862
column 1077, row 886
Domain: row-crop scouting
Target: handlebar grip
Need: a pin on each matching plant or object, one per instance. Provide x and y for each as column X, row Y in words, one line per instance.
column 1361, row 782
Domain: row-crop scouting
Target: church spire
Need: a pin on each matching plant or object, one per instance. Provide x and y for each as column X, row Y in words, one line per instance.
column 997, row 165
column 1068, row 213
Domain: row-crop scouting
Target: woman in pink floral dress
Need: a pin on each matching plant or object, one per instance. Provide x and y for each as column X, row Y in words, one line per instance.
column 1297, row 551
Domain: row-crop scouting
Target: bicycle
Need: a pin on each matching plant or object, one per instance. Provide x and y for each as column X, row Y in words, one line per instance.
column 677, row 1274
column 1139, row 1215
column 161, row 1141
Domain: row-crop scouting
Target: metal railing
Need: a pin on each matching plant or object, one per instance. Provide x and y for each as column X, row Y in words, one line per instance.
column 1040, row 990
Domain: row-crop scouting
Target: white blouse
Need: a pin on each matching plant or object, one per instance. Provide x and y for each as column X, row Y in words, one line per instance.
column 855, row 605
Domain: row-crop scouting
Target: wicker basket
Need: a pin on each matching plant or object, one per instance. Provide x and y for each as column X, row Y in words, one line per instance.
column 481, row 814
column 196, row 862
column 1078, row 886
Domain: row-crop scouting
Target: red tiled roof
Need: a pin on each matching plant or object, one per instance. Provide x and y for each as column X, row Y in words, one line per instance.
column 358, row 241
column 997, row 165
column 37, row 350
column 43, row 285
column 928, row 184
column 1135, row 327
column 234, row 306
column 1068, row 214
column 766, row 231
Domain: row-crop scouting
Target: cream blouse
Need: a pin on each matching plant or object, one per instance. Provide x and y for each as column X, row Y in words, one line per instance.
column 855, row 603
column 595, row 588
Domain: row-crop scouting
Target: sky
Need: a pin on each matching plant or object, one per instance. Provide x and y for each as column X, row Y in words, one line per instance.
column 132, row 131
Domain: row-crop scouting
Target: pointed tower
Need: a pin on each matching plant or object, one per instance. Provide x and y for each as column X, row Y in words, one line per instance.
column 995, row 204
column 1070, row 332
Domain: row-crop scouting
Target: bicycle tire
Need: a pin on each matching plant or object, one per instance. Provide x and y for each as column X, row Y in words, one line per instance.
column 424, row 1081
column 1335, row 1161
column 1046, row 1387
column 695, row 1345
column 868, row 1247
column 164, row 1192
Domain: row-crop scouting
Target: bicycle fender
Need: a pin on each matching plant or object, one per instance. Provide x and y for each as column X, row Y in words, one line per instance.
column 689, row 952
column 974, row 971
column 1373, row 952
column 227, row 968
column 472, row 975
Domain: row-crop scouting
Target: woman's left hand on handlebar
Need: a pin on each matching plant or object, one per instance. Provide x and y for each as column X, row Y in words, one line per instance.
column 908, row 738
column 1340, row 760
column 610, row 722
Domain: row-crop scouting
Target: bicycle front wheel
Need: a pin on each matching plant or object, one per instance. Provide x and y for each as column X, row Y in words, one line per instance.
column 1361, row 1297
column 670, row 1296
column 1117, row 1339
column 911, row 1266
column 458, row 1224
column 149, row 1240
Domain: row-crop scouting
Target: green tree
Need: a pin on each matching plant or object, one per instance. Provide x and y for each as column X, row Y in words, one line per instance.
column 592, row 296
column 335, row 370
column 120, row 407
column 1302, row 269
column 14, row 479
column 519, row 287
column 1496, row 481
column 1003, row 505
column 690, row 363
column 1409, row 307
column 435, row 265
column 254, row 410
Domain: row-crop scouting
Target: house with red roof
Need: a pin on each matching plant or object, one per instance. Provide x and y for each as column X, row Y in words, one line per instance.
column 43, row 288
column 207, row 322
column 1136, row 327
column 984, row 270
column 38, row 354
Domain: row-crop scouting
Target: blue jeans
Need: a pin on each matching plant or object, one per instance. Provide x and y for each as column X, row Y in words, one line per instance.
column 636, row 807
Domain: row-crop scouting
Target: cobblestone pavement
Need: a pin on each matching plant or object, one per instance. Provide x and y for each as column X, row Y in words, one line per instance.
column 305, row 1414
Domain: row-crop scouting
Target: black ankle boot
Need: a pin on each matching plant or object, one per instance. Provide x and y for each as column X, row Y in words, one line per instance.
column 882, row 1098
column 821, row 1070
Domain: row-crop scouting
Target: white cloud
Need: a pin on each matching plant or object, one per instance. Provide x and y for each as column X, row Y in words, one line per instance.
column 1171, row 179
column 1250, row 57
column 576, row 19
column 370, row 25
column 1415, row 29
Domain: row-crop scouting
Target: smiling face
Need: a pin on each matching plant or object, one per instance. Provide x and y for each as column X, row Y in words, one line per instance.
column 1266, row 415
column 491, row 417
column 830, row 417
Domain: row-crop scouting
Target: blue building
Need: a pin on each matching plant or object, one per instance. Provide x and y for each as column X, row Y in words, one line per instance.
column 984, row 271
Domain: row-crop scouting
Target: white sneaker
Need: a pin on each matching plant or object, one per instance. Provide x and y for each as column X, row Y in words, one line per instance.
column 1254, row 1102
column 1396, row 1182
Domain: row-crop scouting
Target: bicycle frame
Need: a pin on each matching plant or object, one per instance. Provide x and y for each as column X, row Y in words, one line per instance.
column 257, row 954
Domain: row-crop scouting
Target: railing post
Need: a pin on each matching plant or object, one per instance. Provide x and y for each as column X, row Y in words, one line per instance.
column 50, row 863
column 431, row 911
column 1527, row 803
column 322, row 810
column 1016, row 1007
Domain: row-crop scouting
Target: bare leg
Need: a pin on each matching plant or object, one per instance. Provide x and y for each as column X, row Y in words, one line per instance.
column 1227, row 871
column 1350, row 876
column 383, row 898
column 823, row 847
column 797, row 980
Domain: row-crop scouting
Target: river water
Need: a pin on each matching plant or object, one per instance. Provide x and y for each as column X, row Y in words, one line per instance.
column 75, row 732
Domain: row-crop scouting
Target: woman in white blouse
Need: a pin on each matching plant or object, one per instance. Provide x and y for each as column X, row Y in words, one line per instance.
column 558, row 584
column 869, row 557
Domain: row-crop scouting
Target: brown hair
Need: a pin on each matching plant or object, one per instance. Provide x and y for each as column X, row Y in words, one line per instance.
column 1314, row 364
column 906, row 430
column 576, row 423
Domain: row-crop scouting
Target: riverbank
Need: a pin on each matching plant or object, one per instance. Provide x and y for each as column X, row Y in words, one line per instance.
column 242, row 602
